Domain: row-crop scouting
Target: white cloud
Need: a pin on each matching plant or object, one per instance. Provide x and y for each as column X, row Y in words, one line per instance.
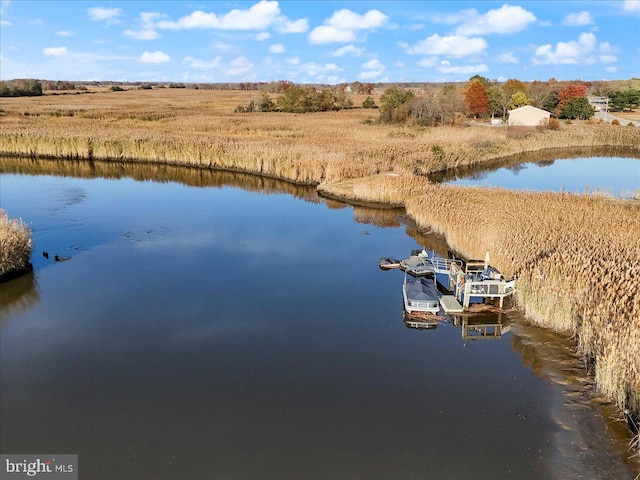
column 276, row 48
column 631, row 5
column 344, row 25
column 348, row 50
column 611, row 69
column 239, row 66
column 283, row 25
column 141, row 34
column 504, row 20
column 65, row 33
column 262, row 36
column 55, row 51
column 608, row 58
column 148, row 27
column 5, row 23
column 260, row 16
column 445, row 67
column 507, row 57
column 578, row 19
column 428, row 62
column 370, row 74
column 201, row 64
column 373, row 64
column 99, row 14
column 154, row 57
column 452, row 46
column 575, row 52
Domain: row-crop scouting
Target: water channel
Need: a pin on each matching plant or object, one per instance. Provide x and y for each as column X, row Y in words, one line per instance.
column 219, row 325
column 617, row 174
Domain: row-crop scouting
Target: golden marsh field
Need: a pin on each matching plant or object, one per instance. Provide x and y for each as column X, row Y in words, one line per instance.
column 577, row 257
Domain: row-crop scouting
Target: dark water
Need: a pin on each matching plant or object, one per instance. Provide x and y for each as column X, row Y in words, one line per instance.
column 611, row 175
column 242, row 331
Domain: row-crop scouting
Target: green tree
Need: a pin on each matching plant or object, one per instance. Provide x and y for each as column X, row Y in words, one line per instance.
column 483, row 80
column 394, row 104
column 578, row 108
column 498, row 101
column 294, row 100
column 622, row 100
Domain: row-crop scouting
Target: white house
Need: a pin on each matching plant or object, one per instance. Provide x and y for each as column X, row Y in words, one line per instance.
column 528, row 116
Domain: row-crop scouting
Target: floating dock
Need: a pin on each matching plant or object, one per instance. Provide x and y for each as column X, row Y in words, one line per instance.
column 450, row 305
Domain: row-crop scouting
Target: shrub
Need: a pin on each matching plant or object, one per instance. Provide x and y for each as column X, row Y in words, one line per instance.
column 116, row 88
column 615, row 122
column 369, row 103
column 554, row 123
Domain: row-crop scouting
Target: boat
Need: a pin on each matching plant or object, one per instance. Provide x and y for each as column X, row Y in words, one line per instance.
column 420, row 293
column 387, row 263
column 417, row 264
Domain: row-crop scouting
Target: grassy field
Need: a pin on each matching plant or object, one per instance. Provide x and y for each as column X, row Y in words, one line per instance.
column 577, row 257
column 199, row 128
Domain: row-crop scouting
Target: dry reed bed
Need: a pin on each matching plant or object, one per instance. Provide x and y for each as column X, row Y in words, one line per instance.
column 577, row 259
column 197, row 128
column 15, row 244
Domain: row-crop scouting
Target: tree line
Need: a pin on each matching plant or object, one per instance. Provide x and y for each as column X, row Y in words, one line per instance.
column 297, row 99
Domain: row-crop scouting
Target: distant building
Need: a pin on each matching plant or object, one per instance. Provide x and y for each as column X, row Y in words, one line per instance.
column 528, row 116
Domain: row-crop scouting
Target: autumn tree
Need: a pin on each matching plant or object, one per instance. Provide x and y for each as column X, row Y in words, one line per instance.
column 542, row 95
column 427, row 108
column 569, row 92
column 512, row 86
column 451, row 103
column 476, row 98
column 517, row 100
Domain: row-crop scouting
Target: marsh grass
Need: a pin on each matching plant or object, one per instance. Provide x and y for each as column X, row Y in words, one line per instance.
column 199, row 128
column 15, row 244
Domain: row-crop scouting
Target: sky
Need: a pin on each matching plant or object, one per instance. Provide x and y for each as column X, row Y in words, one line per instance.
column 318, row 41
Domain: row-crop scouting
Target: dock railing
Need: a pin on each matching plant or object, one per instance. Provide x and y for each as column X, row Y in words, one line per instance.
column 444, row 265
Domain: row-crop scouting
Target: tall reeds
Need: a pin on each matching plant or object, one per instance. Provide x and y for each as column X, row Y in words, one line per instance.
column 15, row 244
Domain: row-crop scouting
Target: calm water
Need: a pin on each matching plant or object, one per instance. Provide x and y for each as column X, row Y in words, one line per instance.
column 243, row 330
column 612, row 175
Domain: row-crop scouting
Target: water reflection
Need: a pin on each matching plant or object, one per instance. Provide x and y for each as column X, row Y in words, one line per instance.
column 18, row 295
column 581, row 414
column 516, row 163
column 152, row 172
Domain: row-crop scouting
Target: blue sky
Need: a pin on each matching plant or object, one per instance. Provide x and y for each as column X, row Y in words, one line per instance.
column 319, row 42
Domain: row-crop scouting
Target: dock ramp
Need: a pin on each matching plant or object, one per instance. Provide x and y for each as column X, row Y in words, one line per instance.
column 450, row 304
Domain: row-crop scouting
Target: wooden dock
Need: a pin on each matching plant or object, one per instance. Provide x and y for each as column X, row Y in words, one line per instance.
column 450, row 304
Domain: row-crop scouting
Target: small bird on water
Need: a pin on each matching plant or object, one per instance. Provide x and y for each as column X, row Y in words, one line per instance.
column 61, row 259
column 45, row 254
